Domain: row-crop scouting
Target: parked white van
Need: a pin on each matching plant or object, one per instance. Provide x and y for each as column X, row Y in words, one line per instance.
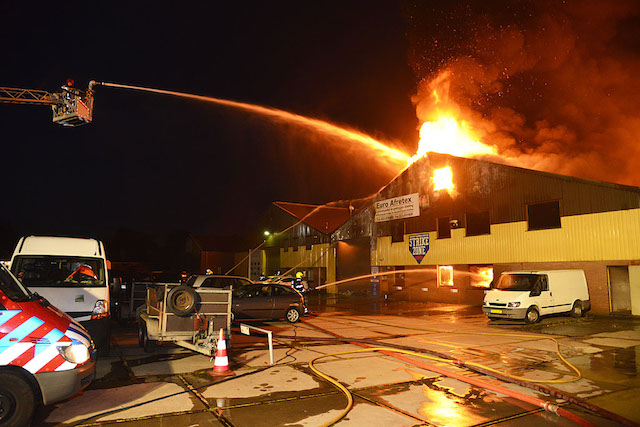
column 529, row 295
column 72, row 274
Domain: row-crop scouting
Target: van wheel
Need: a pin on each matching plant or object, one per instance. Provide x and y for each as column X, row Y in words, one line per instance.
column 576, row 311
column 292, row 315
column 532, row 316
column 17, row 400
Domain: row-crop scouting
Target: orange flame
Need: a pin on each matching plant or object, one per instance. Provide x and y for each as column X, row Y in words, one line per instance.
column 483, row 276
column 447, row 136
column 448, row 133
column 443, row 179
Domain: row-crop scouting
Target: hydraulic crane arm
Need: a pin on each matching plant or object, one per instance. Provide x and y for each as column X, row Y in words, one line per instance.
column 71, row 107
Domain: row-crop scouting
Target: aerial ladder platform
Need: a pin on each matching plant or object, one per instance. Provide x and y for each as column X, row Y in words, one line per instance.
column 70, row 106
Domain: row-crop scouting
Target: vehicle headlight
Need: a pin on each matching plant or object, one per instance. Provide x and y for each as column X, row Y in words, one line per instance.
column 100, row 310
column 513, row 304
column 74, row 353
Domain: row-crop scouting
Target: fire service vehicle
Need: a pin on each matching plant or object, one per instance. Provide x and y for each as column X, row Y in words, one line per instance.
column 45, row 356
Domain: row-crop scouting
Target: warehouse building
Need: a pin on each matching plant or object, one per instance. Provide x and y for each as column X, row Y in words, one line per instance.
column 425, row 240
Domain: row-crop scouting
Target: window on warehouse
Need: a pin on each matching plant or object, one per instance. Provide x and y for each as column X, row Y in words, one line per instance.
column 480, row 276
column 445, row 275
column 542, row 216
column 397, row 231
column 444, row 227
column 478, row 223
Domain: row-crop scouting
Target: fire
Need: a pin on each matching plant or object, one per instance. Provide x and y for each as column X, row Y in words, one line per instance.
column 443, row 179
column 482, row 276
column 447, row 132
column 445, row 275
column 447, row 136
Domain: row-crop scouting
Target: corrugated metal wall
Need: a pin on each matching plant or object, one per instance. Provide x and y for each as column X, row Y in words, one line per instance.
column 590, row 237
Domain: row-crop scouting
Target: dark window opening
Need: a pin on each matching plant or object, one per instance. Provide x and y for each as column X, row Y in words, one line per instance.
column 444, row 227
column 397, row 232
column 478, row 223
column 541, row 216
column 308, row 247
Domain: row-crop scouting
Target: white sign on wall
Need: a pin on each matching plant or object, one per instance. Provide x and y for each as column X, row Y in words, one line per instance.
column 397, row 208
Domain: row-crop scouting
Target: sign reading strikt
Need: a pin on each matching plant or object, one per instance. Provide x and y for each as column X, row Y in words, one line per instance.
column 397, row 208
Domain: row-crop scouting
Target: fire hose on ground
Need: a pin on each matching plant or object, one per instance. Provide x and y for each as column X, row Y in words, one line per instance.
column 391, row 349
column 524, row 382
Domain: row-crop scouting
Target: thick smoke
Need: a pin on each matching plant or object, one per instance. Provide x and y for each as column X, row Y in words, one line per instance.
column 554, row 85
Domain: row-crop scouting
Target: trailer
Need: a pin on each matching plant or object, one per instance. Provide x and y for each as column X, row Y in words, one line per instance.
column 188, row 317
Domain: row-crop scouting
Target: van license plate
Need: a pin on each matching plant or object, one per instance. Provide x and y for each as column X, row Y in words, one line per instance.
column 496, row 311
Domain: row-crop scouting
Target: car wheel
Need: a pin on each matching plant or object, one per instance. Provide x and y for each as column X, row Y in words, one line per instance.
column 182, row 300
column 532, row 316
column 576, row 311
column 292, row 315
column 17, row 400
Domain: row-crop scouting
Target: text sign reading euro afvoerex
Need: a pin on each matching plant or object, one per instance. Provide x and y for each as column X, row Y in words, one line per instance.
column 397, row 208
column 419, row 245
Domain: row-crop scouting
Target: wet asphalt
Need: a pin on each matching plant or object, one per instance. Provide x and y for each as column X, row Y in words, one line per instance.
column 177, row 387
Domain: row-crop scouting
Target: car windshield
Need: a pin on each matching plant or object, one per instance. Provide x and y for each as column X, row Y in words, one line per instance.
column 59, row 271
column 12, row 288
column 517, row 282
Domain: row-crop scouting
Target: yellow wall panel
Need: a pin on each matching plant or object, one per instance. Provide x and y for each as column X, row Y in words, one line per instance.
column 591, row 237
column 317, row 256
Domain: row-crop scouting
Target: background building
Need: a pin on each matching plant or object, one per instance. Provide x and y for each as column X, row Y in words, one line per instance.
column 433, row 241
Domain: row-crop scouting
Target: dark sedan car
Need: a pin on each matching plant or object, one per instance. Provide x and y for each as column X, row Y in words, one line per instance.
column 268, row 301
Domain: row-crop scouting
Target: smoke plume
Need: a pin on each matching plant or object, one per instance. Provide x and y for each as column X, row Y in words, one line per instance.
column 553, row 85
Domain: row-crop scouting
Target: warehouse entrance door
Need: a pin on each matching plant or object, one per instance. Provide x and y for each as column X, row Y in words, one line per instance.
column 619, row 289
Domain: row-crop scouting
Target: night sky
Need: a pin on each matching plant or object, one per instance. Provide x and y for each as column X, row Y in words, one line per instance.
column 156, row 163
column 552, row 84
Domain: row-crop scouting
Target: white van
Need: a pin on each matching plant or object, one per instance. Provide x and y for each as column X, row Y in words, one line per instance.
column 72, row 274
column 530, row 294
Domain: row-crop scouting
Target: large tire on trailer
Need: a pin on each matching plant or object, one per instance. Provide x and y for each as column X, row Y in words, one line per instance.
column 182, row 300
column 576, row 311
column 532, row 316
column 292, row 315
column 17, row 400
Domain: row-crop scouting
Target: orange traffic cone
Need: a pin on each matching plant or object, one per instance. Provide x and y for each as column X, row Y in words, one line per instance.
column 221, row 364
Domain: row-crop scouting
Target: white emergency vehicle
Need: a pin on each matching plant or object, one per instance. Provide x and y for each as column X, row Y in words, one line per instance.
column 72, row 274
column 45, row 356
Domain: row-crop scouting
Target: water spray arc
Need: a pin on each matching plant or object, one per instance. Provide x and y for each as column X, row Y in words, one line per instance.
column 394, row 156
